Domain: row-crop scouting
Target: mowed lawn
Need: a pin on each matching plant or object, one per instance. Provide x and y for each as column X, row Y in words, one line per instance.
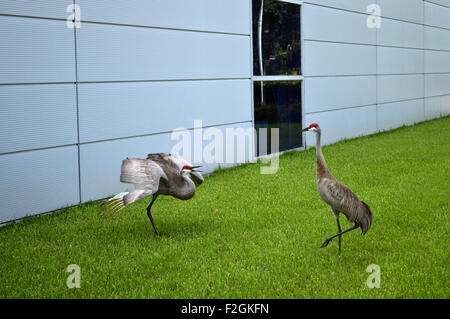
column 247, row 235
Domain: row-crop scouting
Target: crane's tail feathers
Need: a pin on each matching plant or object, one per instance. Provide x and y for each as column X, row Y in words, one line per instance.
column 113, row 204
column 366, row 219
column 112, row 207
column 120, row 201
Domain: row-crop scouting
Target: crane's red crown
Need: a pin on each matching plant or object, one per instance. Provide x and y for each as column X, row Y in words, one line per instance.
column 313, row 125
column 186, row 167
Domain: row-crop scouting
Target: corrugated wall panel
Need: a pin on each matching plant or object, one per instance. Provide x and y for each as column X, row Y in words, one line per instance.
column 101, row 177
column 444, row 3
column 437, row 15
column 393, row 115
column 321, row 23
column 400, row 34
column 113, row 110
column 437, row 61
column 393, row 88
column 36, row 8
column 353, row 122
column 399, row 61
column 437, row 107
column 118, row 53
column 325, row 59
column 206, row 15
column 437, row 84
column 37, row 116
column 437, row 39
column 36, row 50
column 38, row 181
column 341, row 92
column 407, row 10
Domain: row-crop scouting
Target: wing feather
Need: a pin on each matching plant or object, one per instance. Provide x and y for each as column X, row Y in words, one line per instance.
column 116, row 203
column 144, row 174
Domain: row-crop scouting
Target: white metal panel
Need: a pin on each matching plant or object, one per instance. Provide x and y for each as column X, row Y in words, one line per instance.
column 437, row 15
column 437, row 39
column 393, row 88
column 207, row 15
column 112, row 110
column 341, row 124
column 353, row 5
column 37, row 116
column 408, row 10
column 327, row 93
column 121, row 53
column 437, row 62
column 38, row 181
column 437, row 107
column 36, row 50
column 36, row 8
column 399, row 61
column 445, row 3
column 321, row 23
column 101, row 162
column 437, row 84
column 400, row 34
column 393, row 115
column 338, row 59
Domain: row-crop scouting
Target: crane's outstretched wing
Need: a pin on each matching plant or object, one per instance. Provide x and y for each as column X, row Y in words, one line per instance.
column 144, row 174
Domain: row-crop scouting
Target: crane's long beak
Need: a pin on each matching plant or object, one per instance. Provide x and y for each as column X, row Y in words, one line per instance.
column 194, row 169
column 304, row 130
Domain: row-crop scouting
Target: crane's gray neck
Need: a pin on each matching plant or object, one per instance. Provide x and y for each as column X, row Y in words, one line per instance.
column 322, row 168
column 189, row 190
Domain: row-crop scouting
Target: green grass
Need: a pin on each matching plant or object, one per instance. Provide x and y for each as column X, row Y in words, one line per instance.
column 247, row 235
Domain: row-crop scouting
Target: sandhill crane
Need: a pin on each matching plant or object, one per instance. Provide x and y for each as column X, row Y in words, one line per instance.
column 337, row 195
column 159, row 174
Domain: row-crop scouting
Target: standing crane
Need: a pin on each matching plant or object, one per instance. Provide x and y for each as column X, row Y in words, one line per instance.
column 338, row 196
column 159, row 174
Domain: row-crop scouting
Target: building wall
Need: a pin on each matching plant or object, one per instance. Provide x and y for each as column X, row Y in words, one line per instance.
column 375, row 79
column 75, row 102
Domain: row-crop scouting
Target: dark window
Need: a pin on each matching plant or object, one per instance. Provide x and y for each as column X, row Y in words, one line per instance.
column 276, row 40
column 278, row 105
column 277, row 85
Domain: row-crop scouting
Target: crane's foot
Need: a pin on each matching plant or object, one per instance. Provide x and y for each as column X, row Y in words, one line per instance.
column 326, row 242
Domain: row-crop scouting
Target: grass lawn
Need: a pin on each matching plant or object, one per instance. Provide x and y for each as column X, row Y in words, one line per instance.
column 247, row 235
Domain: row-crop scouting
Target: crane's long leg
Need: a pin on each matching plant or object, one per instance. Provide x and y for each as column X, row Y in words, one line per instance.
column 149, row 213
column 339, row 231
column 327, row 241
column 336, row 214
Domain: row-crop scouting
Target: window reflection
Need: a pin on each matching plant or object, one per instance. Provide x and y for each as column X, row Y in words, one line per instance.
column 278, row 105
column 276, row 38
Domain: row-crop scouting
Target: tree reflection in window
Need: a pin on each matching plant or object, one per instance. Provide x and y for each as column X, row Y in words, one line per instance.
column 276, row 38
